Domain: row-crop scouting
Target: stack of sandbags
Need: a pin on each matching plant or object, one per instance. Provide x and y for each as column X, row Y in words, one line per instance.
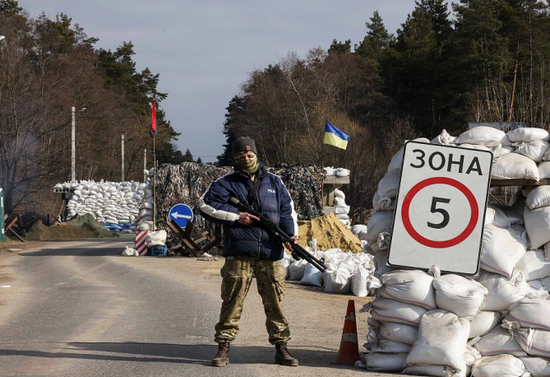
column 516, row 152
column 402, row 300
column 346, row 272
column 421, row 323
column 360, row 231
column 494, row 323
column 341, row 209
column 115, row 204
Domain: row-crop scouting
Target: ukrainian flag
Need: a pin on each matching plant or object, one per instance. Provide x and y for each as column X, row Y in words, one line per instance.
column 333, row 136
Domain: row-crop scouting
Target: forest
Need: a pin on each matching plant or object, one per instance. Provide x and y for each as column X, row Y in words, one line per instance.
column 47, row 68
column 447, row 65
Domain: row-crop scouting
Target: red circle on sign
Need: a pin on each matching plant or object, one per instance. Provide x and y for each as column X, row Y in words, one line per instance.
column 446, row 243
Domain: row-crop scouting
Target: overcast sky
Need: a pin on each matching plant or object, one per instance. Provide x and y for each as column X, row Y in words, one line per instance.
column 205, row 49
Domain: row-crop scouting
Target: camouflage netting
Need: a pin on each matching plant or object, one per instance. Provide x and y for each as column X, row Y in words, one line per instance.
column 305, row 185
column 185, row 183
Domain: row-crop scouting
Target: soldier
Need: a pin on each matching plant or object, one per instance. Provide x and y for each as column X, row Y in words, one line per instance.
column 250, row 250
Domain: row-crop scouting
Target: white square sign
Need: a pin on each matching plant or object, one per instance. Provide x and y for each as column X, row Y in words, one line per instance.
column 440, row 210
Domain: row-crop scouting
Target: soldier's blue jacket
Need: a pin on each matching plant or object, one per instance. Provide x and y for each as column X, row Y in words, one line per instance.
column 272, row 199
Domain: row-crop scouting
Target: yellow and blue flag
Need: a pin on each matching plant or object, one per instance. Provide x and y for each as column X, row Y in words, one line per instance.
column 333, row 136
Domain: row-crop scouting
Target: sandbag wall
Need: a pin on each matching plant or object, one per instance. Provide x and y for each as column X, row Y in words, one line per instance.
column 114, row 204
column 493, row 324
column 346, row 273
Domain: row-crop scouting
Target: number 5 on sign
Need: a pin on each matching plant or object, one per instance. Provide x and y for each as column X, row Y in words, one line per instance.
column 440, row 209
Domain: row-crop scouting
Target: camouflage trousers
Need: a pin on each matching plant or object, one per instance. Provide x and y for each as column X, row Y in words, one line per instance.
column 237, row 274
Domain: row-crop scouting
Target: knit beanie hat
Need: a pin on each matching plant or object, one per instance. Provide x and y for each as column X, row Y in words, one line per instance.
column 244, row 144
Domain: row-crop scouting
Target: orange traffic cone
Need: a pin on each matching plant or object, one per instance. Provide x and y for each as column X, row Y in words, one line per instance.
column 349, row 350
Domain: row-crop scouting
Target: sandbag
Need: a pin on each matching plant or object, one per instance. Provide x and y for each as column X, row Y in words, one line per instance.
column 535, row 342
column 499, row 365
column 130, row 252
column 540, row 284
column 337, row 281
column 495, row 215
column 156, row 238
column 377, row 343
column 537, row 366
column 501, row 151
column 380, row 221
column 544, row 169
column 459, row 295
column 442, row 338
column 538, row 197
column 535, row 150
column 385, row 362
column 387, row 310
column 382, row 203
column 312, row 276
column 388, row 185
column 537, row 224
column 359, row 282
column 444, row 138
column 483, row 322
column 399, row 332
column 470, row 356
column 502, row 248
column 503, row 291
column 481, row 135
column 515, row 166
column 526, row 134
column 528, row 312
column 499, row 341
column 534, row 265
column 410, row 286
column 296, row 269
column 380, row 263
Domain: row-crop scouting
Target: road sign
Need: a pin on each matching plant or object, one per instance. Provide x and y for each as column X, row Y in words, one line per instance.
column 440, row 209
column 180, row 214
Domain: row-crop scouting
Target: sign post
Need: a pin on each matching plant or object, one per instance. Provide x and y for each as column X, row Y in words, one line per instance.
column 440, row 211
column 180, row 214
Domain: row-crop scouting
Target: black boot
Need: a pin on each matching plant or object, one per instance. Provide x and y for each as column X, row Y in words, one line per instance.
column 222, row 357
column 283, row 357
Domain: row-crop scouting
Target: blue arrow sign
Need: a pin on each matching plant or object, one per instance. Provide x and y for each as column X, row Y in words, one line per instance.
column 180, row 214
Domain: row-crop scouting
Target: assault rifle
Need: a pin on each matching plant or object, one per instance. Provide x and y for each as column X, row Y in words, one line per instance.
column 298, row 252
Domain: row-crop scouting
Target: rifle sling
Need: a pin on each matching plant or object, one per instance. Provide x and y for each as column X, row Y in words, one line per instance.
column 254, row 188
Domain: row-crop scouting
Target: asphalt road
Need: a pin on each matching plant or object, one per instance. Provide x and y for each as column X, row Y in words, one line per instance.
column 79, row 308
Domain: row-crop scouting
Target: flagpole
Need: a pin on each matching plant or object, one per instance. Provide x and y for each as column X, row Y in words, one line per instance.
column 323, row 155
column 154, row 186
column 153, row 133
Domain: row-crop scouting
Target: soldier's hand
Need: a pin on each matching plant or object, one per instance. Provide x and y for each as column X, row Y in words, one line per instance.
column 288, row 245
column 246, row 218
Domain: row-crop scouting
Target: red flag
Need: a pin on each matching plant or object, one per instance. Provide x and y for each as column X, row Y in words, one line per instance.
column 153, row 130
